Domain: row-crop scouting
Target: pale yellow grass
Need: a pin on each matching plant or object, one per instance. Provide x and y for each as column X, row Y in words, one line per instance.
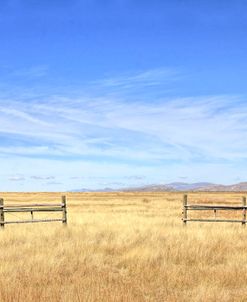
column 120, row 247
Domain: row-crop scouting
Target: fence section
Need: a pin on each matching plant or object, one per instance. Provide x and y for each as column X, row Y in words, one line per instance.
column 205, row 207
column 32, row 208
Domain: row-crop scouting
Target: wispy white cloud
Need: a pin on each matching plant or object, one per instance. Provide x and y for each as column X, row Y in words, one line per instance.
column 201, row 128
column 154, row 77
column 37, row 177
column 155, row 134
column 52, row 183
column 31, row 72
column 16, row 178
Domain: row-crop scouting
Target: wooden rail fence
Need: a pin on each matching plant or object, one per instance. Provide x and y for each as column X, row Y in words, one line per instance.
column 205, row 207
column 32, row 208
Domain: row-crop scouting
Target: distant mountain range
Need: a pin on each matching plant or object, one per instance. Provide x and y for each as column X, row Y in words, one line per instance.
column 177, row 187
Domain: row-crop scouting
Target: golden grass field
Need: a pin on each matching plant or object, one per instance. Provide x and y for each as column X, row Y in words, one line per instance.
column 123, row 247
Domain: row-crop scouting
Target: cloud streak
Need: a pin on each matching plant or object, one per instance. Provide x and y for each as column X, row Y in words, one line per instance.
column 149, row 78
column 161, row 132
column 32, row 72
column 36, row 177
column 16, row 178
column 196, row 128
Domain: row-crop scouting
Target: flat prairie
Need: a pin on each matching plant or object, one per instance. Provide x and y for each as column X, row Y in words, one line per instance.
column 123, row 247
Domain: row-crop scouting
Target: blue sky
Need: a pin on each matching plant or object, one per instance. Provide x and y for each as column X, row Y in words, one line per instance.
column 98, row 94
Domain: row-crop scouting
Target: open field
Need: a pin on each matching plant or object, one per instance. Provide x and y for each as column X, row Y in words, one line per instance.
column 123, row 247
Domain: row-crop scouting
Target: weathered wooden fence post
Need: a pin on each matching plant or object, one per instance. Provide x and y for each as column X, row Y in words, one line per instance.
column 244, row 211
column 185, row 202
column 1, row 213
column 64, row 206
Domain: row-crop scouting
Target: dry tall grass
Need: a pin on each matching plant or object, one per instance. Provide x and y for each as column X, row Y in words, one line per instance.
column 123, row 247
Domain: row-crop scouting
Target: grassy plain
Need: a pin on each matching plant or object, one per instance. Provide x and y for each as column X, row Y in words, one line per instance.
column 123, row 247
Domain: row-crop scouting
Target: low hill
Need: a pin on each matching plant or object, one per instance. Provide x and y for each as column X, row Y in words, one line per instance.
column 176, row 187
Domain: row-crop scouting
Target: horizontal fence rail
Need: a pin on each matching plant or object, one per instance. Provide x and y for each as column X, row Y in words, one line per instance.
column 201, row 207
column 32, row 208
